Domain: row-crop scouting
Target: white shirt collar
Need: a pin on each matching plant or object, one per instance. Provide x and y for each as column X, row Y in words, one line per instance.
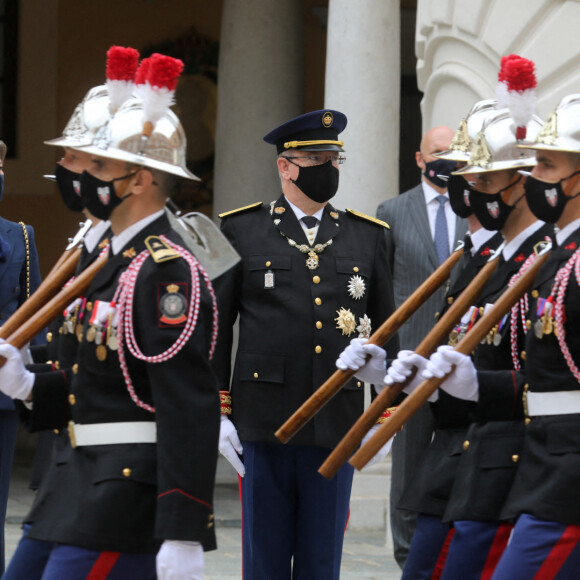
column 563, row 234
column 300, row 214
column 479, row 238
column 511, row 247
column 430, row 193
column 118, row 242
column 95, row 234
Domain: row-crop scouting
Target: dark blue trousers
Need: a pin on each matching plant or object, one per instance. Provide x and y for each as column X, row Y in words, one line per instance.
column 8, row 429
column 475, row 550
column 540, row 550
column 426, row 545
column 74, row 563
column 293, row 519
column 29, row 559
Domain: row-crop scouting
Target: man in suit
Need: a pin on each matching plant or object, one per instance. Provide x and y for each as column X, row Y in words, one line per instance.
column 311, row 278
column 424, row 230
column 19, row 278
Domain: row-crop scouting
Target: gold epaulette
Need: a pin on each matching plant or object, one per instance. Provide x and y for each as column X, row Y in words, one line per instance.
column 160, row 250
column 240, row 209
column 368, row 218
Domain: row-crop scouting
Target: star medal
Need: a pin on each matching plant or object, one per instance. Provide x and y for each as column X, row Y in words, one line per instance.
column 312, row 260
column 364, row 327
column 345, row 321
column 356, row 287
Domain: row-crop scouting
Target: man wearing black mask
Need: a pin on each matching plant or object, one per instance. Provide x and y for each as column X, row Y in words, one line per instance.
column 311, row 278
column 424, row 231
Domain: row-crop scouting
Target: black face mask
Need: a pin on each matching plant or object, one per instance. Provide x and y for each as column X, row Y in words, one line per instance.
column 547, row 200
column 69, row 186
column 318, row 182
column 434, row 169
column 99, row 196
column 490, row 209
column 459, row 192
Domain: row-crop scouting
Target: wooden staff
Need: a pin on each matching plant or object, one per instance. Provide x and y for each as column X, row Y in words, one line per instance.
column 387, row 396
column 72, row 246
column 54, row 307
column 47, row 290
column 422, row 393
column 324, row 393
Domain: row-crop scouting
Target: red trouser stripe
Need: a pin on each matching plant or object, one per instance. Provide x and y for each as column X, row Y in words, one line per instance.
column 496, row 550
column 103, row 565
column 440, row 564
column 559, row 553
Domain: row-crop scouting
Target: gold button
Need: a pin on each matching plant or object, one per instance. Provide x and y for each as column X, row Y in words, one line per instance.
column 528, row 324
column 75, row 368
column 526, row 387
column 355, row 269
column 535, row 293
column 210, row 525
column 481, row 310
column 515, row 458
column 318, row 324
column 358, row 384
column 57, row 431
column 465, row 445
column 318, row 349
column 317, row 301
column 72, row 399
column 268, row 264
column 450, row 300
column 60, row 330
column 49, row 337
column 211, row 516
column 256, row 375
column 57, row 365
column 523, row 355
column 527, row 421
column 127, row 472
column 316, row 279
column 89, row 306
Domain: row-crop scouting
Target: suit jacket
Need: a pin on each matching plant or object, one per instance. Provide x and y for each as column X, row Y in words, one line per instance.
column 15, row 277
column 289, row 338
column 129, row 497
column 412, row 258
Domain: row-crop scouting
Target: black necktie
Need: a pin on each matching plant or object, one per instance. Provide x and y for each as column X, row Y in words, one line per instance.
column 467, row 244
column 310, row 221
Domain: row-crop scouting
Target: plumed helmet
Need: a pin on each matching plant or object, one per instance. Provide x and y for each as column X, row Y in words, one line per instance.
column 561, row 132
column 467, row 131
column 496, row 146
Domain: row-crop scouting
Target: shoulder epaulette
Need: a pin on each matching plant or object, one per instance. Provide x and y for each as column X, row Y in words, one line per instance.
column 368, row 218
column 240, row 209
column 160, row 250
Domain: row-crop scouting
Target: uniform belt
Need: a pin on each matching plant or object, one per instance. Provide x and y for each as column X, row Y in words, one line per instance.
column 112, row 433
column 554, row 403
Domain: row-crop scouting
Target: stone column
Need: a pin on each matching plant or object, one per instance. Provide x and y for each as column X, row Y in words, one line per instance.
column 363, row 81
column 260, row 85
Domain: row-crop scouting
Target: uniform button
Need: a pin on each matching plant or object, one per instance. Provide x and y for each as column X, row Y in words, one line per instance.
column 75, row 368
column 359, row 384
column 528, row 324
column 127, row 472
column 210, row 525
column 49, row 337
column 57, row 365
column 535, row 294
column 481, row 310
column 515, row 458
column 450, row 300
column 316, row 279
column 56, row 431
column 317, row 301
column 256, row 375
column 268, row 264
column 526, row 387
column 355, row 269
column 72, row 399
column 527, row 421
column 523, row 355
column 465, row 445
column 318, row 349
column 89, row 306
column 318, row 324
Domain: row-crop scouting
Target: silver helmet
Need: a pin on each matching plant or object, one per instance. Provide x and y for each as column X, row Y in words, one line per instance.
column 89, row 115
column 496, row 146
column 123, row 138
column 467, row 131
column 561, row 132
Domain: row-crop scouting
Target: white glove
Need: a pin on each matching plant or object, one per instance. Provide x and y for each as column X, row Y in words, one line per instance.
column 230, row 445
column 462, row 383
column 383, row 451
column 26, row 354
column 403, row 366
column 179, row 560
column 15, row 380
column 353, row 357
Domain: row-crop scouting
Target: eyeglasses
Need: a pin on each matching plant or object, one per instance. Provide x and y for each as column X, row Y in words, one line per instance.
column 320, row 159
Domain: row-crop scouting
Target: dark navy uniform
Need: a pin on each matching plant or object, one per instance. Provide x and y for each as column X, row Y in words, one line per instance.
column 294, row 322
column 128, row 497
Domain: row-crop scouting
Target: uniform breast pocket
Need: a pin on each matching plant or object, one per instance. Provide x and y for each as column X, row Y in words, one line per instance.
column 268, row 271
column 261, row 368
column 353, row 276
column 563, row 437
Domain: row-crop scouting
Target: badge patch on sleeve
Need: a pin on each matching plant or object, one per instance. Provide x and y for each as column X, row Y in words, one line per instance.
column 173, row 301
